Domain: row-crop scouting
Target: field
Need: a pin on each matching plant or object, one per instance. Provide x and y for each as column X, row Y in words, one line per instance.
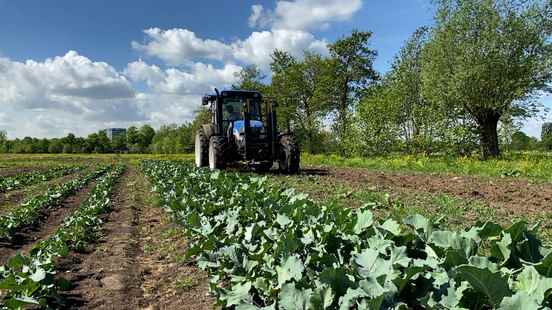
column 151, row 232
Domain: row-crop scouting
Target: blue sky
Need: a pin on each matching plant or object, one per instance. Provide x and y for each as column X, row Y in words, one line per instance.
column 78, row 66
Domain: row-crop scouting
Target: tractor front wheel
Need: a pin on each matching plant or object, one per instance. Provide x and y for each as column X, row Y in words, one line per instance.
column 288, row 161
column 201, row 149
column 217, row 147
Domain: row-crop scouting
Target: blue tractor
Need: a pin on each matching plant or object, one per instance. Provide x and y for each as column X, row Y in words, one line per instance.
column 244, row 130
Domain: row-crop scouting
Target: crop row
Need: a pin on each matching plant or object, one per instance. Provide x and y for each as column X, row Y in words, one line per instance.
column 21, row 180
column 28, row 212
column 273, row 248
column 30, row 279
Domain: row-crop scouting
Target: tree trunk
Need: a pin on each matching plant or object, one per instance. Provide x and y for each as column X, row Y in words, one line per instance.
column 488, row 134
column 342, row 115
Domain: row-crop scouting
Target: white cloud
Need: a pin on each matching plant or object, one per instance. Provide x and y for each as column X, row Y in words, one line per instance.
column 71, row 82
column 174, row 95
column 303, row 14
column 72, row 93
column 289, row 23
column 69, row 91
column 256, row 49
column 258, row 17
column 180, row 46
column 199, row 79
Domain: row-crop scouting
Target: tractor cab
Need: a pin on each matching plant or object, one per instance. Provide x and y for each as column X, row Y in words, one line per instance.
column 243, row 129
column 234, row 110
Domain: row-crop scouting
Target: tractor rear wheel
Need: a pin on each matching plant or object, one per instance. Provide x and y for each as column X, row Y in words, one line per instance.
column 217, row 150
column 288, row 160
column 201, row 149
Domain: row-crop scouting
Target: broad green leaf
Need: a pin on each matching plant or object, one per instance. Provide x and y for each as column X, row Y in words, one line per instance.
column 282, row 220
column 372, row 287
column 38, row 275
column 391, row 226
column 238, row 294
column 490, row 229
column 520, row 301
column 290, row 298
column 545, row 266
column 517, row 231
column 454, row 294
column 292, row 269
column 322, row 298
column 348, row 300
column 529, row 281
column 399, row 256
column 420, row 224
column 371, row 265
column 337, row 279
column 502, row 248
column 492, row 285
column 364, row 220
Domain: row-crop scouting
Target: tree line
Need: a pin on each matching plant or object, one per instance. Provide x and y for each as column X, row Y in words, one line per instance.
column 461, row 86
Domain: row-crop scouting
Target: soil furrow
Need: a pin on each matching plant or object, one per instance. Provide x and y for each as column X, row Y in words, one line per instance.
column 135, row 265
column 24, row 239
column 108, row 276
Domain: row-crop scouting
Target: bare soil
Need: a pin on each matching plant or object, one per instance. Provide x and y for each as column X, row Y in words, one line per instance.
column 134, row 265
column 50, row 220
column 510, row 196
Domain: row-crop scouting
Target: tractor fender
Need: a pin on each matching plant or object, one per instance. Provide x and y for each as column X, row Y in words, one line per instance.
column 208, row 130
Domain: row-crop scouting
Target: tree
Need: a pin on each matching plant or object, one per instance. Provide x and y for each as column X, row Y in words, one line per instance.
column 486, row 59
column 146, row 136
column 133, row 139
column 202, row 116
column 119, row 143
column 352, row 63
column 3, row 141
column 250, row 78
column 546, row 136
column 522, row 142
column 298, row 86
column 55, row 146
column 282, row 87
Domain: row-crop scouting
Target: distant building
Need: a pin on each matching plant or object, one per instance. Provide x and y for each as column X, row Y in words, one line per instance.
column 114, row 132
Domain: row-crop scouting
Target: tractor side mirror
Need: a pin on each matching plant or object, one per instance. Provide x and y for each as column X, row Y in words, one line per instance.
column 205, row 100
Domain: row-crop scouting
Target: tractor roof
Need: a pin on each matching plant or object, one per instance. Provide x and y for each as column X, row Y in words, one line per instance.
column 240, row 93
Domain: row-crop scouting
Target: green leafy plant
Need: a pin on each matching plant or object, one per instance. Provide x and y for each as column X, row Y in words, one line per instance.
column 267, row 248
column 25, row 179
column 27, row 280
column 30, row 211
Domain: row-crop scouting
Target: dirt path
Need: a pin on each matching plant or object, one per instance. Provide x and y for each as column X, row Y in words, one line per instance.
column 24, row 239
column 514, row 197
column 137, row 264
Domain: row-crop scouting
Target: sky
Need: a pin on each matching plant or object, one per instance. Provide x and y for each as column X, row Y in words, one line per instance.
column 80, row 66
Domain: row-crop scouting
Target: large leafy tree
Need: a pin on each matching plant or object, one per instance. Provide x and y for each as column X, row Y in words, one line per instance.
column 3, row 141
column 146, row 136
column 298, row 85
column 352, row 62
column 250, row 78
column 487, row 59
column 546, row 135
